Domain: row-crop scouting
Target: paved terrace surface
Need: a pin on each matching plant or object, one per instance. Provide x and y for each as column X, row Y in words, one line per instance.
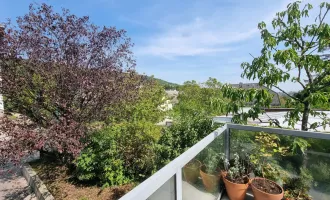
column 13, row 185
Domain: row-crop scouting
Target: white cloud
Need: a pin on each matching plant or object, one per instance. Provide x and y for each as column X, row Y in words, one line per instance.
column 204, row 36
column 195, row 38
column 210, row 34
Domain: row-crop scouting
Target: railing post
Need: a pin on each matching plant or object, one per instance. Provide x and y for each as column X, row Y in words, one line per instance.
column 227, row 143
column 178, row 184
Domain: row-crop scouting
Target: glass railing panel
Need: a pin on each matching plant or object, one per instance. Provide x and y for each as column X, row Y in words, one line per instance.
column 318, row 163
column 300, row 165
column 166, row 191
column 201, row 176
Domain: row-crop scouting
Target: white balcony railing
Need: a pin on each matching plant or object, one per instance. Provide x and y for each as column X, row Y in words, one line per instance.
column 168, row 182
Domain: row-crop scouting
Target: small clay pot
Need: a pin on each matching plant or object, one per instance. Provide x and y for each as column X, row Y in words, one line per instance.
column 261, row 195
column 234, row 191
column 191, row 173
column 210, row 181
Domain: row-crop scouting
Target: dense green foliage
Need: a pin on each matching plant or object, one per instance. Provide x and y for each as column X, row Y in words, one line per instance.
column 298, row 187
column 183, row 134
column 131, row 151
column 119, row 154
column 145, row 107
column 205, row 98
column 238, row 98
column 123, row 151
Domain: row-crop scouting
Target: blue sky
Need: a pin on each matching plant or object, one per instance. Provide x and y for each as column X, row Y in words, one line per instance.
column 178, row 40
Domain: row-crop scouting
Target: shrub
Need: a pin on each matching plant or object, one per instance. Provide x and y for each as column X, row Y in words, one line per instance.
column 119, row 154
column 321, row 171
column 298, row 187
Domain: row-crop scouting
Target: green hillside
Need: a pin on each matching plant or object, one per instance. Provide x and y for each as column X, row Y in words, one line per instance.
column 166, row 84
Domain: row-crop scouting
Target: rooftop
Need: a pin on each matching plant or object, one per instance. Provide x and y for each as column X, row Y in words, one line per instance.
column 264, row 118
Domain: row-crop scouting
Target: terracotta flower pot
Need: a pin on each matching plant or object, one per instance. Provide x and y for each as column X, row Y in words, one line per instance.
column 210, row 181
column 235, row 191
column 191, row 171
column 261, row 195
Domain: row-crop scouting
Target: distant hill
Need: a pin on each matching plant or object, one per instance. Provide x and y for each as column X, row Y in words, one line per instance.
column 166, row 84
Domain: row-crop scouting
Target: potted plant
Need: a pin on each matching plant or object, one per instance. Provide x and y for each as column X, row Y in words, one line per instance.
column 264, row 188
column 210, row 171
column 191, row 171
column 236, row 179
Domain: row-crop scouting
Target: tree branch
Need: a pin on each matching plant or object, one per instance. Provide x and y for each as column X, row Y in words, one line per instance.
column 299, row 74
column 318, row 79
column 295, row 98
column 309, row 75
column 321, row 21
column 322, row 87
column 251, row 55
column 313, row 50
column 299, row 45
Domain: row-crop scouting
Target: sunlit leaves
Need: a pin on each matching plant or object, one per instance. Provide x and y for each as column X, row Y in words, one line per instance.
column 240, row 97
column 290, row 52
column 203, row 98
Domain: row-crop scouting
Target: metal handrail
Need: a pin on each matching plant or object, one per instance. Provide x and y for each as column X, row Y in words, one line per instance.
column 281, row 131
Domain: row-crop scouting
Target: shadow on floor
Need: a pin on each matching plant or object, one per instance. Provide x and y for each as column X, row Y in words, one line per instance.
column 20, row 194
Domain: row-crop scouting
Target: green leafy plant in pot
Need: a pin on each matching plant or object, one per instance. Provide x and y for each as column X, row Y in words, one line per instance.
column 236, row 178
column 210, row 171
column 267, row 147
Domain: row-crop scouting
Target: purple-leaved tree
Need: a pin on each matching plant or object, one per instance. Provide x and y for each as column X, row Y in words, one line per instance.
column 62, row 72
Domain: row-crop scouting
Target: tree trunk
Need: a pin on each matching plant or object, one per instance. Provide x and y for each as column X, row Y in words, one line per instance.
column 304, row 123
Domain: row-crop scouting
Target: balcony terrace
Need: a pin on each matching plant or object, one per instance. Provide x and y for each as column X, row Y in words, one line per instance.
column 170, row 182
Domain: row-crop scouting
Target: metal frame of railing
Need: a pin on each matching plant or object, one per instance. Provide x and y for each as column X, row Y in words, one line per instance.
column 149, row 186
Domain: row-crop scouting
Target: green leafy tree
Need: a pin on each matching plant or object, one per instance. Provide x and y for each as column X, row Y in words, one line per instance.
column 62, row 72
column 238, row 97
column 290, row 53
column 146, row 107
column 205, row 98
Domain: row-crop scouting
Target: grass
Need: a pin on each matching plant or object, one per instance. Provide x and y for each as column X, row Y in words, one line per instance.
column 63, row 186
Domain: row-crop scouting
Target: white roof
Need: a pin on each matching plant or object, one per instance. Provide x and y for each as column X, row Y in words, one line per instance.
column 278, row 116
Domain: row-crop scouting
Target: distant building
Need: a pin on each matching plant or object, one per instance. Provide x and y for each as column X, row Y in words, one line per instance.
column 276, row 98
column 173, row 96
column 172, row 99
